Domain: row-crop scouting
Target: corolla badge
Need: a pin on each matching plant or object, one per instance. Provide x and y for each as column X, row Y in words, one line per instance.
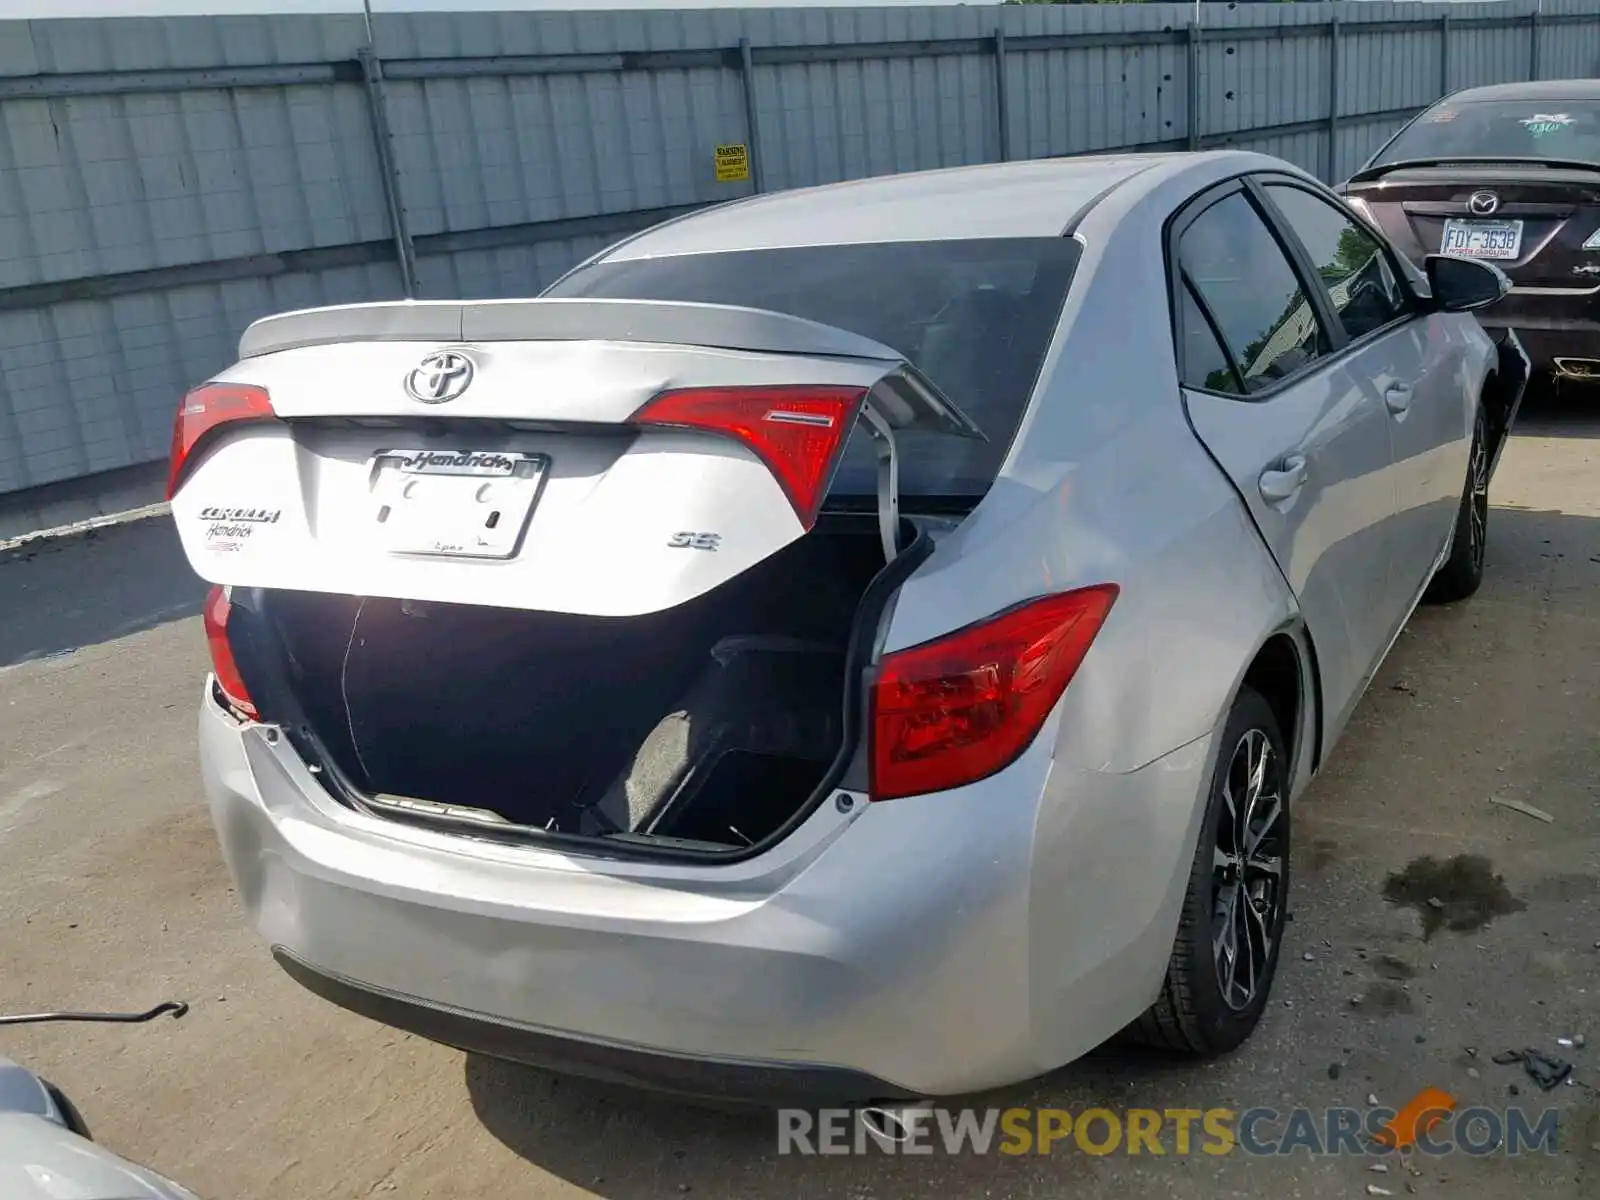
column 1483, row 203
column 440, row 376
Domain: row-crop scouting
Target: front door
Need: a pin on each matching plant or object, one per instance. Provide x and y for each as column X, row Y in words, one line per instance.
column 1411, row 369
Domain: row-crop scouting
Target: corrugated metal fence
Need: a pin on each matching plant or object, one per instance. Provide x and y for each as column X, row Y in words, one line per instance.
column 165, row 181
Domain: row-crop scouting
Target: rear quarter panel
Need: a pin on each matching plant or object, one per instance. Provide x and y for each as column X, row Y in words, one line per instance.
column 1107, row 482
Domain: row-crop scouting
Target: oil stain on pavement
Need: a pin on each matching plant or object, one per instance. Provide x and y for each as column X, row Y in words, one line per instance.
column 1459, row 894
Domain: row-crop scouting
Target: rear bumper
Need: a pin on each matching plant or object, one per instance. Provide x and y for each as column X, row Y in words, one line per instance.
column 1549, row 326
column 929, row 946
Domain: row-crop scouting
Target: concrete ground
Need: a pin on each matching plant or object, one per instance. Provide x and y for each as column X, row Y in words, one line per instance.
column 114, row 897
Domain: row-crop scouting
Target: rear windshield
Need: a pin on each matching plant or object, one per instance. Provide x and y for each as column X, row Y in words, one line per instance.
column 1501, row 128
column 975, row 316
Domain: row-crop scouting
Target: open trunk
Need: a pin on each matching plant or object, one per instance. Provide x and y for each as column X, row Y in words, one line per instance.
column 562, row 567
column 714, row 722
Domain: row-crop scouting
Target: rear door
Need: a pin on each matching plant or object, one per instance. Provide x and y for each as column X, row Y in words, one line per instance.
column 1306, row 446
column 1409, row 364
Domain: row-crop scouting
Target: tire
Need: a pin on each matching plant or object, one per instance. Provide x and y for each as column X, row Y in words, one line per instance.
column 1462, row 572
column 1196, row 1014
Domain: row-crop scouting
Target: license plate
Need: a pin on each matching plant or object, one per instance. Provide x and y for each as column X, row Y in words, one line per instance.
column 455, row 504
column 1482, row 239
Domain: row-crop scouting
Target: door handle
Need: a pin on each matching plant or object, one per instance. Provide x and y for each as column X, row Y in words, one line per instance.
column 1398, row 397
column 1284, row 481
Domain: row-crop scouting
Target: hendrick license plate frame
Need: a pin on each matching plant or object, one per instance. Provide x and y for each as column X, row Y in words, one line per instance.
column 455, row 503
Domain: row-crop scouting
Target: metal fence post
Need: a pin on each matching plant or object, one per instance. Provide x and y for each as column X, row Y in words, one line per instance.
column 1333, row 99
column 377, row 108
column 1533, row 43
column 1002, row 103
column 1444, row 55
column 1194, row 85
column 752, row 123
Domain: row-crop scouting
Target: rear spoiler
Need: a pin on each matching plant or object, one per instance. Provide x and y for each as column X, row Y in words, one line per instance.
column 908, row 399
column 664, row 322
column 1376, row 171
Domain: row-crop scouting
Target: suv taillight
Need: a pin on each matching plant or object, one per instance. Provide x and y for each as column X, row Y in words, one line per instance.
column 798, row 432
column 955, row 710
column 215, row 618
column 203, row 411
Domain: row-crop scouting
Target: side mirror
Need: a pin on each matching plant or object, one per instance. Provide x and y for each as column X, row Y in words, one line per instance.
column 1464, row 284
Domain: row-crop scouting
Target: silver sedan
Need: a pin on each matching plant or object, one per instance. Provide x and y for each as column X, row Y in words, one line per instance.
column 855, row 643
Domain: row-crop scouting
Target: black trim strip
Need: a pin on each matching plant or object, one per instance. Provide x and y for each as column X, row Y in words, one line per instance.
column 763, row 1083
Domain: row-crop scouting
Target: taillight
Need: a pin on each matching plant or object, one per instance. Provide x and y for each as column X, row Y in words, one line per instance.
column 955, row 710
column 215, row 618
column 203, row 411
column 798, row 432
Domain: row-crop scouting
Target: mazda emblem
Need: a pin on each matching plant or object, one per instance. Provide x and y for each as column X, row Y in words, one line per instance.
column 1483, row 203
column 441, row 376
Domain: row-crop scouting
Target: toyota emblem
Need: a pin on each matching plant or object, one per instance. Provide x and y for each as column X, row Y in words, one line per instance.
column 1483, row 203
column 441, row 376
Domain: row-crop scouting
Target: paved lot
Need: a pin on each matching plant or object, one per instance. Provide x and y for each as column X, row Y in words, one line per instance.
column 114, row 896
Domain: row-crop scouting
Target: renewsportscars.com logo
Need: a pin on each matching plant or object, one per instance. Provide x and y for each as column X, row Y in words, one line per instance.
column 1430, row 1124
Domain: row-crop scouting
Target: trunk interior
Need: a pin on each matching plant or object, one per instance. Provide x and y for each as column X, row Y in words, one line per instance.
column 712, row 722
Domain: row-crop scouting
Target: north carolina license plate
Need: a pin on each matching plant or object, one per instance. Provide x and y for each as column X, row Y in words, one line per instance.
column 1482, row 239
column 456, row 504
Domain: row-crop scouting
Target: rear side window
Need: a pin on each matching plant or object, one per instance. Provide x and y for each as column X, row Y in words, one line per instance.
column 976, row 316
column 1351, row 264
column 1501, row 129
column 1204, row 363
column 1247, row 283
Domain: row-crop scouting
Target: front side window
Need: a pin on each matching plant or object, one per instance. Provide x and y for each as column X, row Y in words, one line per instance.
column 976, row 316
column 1491, row 129
column 1352, row 265
column 1247, row 283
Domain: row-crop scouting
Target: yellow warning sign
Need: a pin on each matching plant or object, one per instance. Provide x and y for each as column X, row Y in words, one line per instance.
column 733, row 163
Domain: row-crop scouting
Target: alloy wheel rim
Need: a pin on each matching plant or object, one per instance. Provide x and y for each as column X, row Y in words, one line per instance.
column 1247, row 870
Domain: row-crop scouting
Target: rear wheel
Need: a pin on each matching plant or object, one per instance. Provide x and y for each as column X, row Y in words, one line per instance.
column 1231, row 930
column 1462, row 572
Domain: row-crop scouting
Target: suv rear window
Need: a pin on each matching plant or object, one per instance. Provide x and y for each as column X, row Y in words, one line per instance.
column 1501, row 128
column 976, row 316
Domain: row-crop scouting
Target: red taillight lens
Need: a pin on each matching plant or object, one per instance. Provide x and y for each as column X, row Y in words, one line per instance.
column 797, row 431
column 205, row 409
column 215, row 617
column 955, row 710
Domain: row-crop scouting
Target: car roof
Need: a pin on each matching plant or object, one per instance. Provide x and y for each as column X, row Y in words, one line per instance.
column 1038, row 198
column 1544, row 89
